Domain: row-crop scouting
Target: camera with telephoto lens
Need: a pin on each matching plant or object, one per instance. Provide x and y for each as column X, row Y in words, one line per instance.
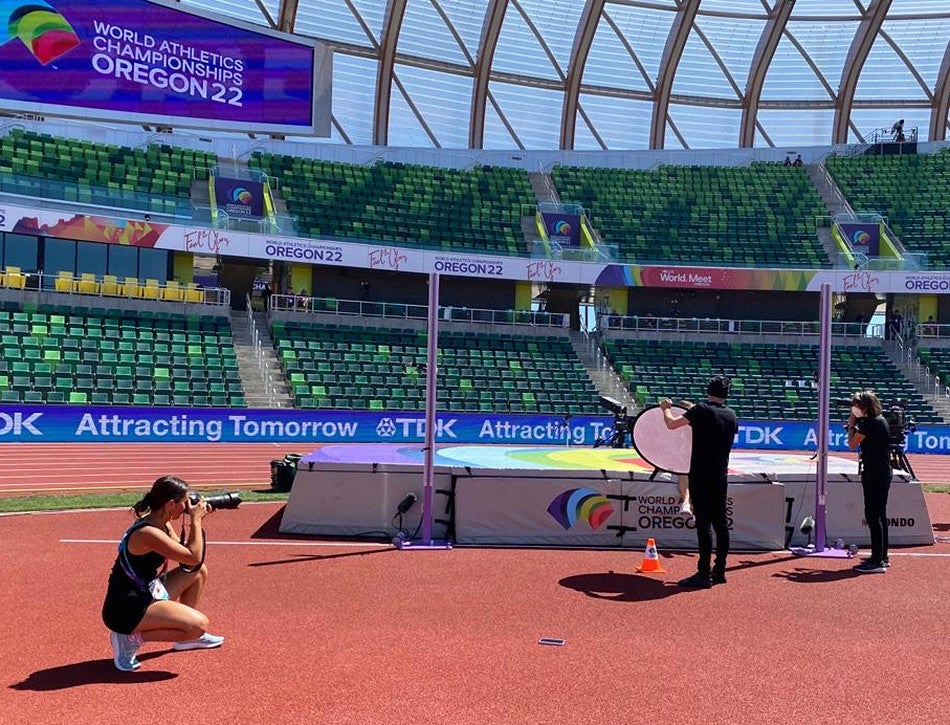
column 227, row 500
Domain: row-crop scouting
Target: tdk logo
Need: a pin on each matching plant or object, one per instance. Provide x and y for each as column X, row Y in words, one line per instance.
column 386, row 428
column 16, row 424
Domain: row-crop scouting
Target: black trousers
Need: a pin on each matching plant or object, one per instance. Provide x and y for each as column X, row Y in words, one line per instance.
column 876, row 487
column 708, row 499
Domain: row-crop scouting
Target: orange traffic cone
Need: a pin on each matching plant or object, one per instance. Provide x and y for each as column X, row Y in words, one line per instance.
column 651, row 560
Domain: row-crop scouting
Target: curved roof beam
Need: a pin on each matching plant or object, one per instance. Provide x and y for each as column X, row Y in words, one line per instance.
column 941, row 100
column 672, row 53
column 583, row 38
column 764, row 52
column 857, row 55
column 286, row 15
column 491, row 29
column 395, row 12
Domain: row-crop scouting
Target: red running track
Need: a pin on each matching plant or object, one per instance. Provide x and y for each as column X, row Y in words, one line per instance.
column 58, row 467
column 356, row 635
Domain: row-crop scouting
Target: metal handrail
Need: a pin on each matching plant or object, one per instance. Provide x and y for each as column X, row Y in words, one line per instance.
column 619, row 323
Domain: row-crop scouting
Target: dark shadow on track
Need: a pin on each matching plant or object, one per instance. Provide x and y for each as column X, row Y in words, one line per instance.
column 620, row 587
column 91, row 672
column 303, row 558
column 270, row 529
column 818, row 576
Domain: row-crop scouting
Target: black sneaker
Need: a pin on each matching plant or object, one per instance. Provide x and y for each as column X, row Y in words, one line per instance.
column 871, row 567
column 717, row 578
column 886, row 561
column 696, row 581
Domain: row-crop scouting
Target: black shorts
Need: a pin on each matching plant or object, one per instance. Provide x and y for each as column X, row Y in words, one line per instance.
column 124, row 607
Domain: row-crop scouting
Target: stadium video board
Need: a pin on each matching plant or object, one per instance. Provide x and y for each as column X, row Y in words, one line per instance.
column 144, row 61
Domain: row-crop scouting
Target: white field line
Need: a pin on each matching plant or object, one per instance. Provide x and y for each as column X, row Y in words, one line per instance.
column 338, row 544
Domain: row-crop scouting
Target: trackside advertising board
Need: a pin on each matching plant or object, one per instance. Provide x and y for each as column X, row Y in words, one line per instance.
column 138, row 61
column 115, row 424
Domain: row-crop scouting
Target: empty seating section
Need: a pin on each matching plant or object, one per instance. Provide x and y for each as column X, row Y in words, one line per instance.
column 912, row 191
column 111, row 357
column 771, row 381
column 756, row 215
column 418, row 206
column 938, row 360
column 153, row 179
column 355, row 367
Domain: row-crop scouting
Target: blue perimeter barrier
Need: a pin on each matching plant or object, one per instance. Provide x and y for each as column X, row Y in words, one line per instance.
column 92, row 424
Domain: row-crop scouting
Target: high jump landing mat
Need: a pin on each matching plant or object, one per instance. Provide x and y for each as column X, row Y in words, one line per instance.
column 573, row 496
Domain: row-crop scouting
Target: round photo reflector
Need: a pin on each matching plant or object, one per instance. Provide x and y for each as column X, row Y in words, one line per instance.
column 665, row 449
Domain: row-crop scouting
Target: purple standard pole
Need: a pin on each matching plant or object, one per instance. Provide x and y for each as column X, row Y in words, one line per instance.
column 432, row 347
column 824, row 417
column 824, row 422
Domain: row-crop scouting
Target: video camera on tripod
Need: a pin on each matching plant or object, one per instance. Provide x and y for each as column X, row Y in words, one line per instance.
column 898, row 424
column 622, row 427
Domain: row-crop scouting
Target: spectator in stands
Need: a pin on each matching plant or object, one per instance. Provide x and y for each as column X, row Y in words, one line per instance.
column 266, row 294
column 303, row 300
column 144, row 605
column 799, row 161
column 929, row 328
column 897, row 131
column 868, row 429
column 788, row 161
column 714, row 426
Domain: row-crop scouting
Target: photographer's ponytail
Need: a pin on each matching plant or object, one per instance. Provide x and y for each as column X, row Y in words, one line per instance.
column 143, row 505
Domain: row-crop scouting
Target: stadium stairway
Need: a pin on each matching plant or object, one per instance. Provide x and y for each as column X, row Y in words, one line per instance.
column 255, row 389
column 600, row 371
column 923, row 384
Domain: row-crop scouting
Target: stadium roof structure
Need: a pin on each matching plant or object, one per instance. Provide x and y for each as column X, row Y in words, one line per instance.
column 623, row 74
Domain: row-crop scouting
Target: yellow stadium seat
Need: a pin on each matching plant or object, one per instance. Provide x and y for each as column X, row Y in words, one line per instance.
column 172, row 292
column 131, row 287
column 64, row 282
column 151, row 290
column 111, row 286
column 193, row 294
column 14, row 278
column 88, row 284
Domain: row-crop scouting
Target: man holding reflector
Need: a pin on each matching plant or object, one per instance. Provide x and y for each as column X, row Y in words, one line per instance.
column 714, row 426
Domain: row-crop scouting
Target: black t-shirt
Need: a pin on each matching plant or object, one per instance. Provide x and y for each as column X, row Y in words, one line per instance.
column 876, row 446
column 714, row 429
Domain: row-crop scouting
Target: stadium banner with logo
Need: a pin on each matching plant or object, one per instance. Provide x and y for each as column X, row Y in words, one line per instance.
column 154, row 61
column 114, row 424
column 239, row 198
column 863, row 237
column 565, row 229
column 590, row 508
column 908, row 519
column 173, row 237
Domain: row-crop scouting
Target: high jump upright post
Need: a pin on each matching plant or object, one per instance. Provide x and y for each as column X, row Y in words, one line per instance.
column 824, row 423
column 428, row 476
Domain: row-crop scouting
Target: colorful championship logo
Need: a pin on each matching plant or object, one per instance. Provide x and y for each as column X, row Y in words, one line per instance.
column 581, row 503
column 241, row 196
column 46, row 33
column 562, row 228
column 860, row 238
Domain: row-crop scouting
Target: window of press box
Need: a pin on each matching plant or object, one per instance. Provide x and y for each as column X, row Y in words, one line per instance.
column 19, row 250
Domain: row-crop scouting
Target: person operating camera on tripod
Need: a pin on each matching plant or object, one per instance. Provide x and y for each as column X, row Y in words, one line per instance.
column 868, row 430
column 142, row 603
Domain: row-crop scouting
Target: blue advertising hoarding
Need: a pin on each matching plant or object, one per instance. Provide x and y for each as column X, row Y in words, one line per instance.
column 565, row 229
column 136, row 60
column 240, row 198
column 864, row 237
column 112, row 424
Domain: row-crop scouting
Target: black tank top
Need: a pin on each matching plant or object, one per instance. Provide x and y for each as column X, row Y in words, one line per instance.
column 145, row 566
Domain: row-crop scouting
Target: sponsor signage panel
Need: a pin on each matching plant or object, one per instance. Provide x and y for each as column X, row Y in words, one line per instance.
column 565, row 229
column 79, row 423
column 239, row 198
column 142, row 61
column 864, row 238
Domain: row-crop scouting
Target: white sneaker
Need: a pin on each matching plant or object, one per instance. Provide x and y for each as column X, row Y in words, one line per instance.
column 124, row 647
column 205, row 641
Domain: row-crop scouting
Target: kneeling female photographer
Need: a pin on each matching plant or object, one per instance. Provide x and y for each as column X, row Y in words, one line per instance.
column 142, row 604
